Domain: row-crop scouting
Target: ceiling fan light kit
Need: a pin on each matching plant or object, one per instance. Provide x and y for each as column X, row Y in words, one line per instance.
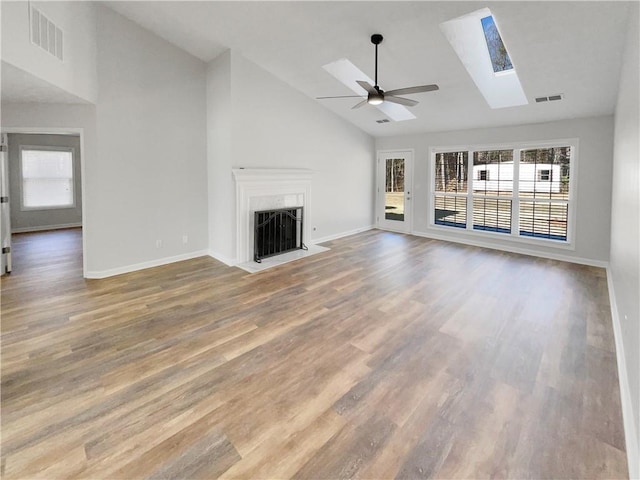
column 376, row 96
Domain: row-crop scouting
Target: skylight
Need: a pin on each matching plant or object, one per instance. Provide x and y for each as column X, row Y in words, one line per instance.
column 476, row 40
column 497, row 51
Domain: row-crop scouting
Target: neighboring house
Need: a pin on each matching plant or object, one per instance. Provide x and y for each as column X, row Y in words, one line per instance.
column 542, row 177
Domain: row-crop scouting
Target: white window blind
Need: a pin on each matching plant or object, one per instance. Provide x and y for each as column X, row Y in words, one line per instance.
column 47, row 179
column 493, row 190
column 518, row 192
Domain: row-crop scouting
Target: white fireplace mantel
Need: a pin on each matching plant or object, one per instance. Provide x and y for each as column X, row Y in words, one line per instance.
column 265, row 188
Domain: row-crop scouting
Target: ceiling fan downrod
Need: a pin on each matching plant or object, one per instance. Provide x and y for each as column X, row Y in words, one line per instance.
column 376, row 39
column 376, row 97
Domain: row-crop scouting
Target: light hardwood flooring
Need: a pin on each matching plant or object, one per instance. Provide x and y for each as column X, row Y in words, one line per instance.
column 390, row 356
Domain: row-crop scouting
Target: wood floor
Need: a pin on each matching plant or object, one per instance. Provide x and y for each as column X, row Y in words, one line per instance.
column 389, row 356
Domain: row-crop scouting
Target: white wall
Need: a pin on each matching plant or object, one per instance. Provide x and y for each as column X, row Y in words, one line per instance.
column 593, row 183
column 77, row 73
column 625, row 239
column 275, row 126
column 219, row 160
column 150, row 171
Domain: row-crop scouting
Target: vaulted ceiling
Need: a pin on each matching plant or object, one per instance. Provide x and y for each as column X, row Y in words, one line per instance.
column 571, row 48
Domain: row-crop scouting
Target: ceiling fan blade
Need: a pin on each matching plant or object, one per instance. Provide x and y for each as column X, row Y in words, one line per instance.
column 400, row 100
column 340, row 96
column 359, row 104
column 367, row 86
column 409, row 90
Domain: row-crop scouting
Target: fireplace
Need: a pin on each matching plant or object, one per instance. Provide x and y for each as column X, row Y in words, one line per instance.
column 277, row 231
column 269, row 189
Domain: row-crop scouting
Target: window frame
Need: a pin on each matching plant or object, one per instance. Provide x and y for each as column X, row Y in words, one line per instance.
column 456, row 195
column 42, row 148
column 514, row 235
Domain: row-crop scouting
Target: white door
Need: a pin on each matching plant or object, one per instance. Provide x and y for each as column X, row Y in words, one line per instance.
column 5, row 218
column 395, row 183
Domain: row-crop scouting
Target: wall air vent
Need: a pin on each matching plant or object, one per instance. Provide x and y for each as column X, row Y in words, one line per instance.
column 382, row 120
column 550, row 98
column 45, row 34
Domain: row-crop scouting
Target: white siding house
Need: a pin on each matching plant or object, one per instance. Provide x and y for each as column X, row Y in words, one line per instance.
column 541, row 177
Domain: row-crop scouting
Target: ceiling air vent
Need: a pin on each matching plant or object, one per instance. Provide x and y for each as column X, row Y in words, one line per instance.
column 382, row 120
column 550, row 98
column 45, row 34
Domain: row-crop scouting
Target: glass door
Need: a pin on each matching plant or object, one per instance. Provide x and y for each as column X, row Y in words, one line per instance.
column 394, row 190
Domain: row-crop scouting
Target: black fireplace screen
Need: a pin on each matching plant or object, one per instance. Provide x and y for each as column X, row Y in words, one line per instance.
column 276, row 232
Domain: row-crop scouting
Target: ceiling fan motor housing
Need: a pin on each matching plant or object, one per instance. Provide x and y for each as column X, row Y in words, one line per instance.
column 377, row 97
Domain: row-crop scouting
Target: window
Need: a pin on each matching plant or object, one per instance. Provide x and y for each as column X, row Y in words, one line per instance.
column 519, row 192
column 492, row 199
column 476, row 40
column 500, row 60
column 544, row 175
column 544, row 197
column 450, row 197
column 47, row 178
column 394, row 189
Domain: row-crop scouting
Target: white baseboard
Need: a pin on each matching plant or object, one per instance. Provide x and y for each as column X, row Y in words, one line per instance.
column 230, row 262
column 630, row 434
column 328, row 238
column 141, row 266
column 45, row 227
column 513, row 249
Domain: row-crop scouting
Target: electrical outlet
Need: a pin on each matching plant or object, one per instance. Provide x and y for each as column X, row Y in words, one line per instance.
column 185, row 239
column 158, row 243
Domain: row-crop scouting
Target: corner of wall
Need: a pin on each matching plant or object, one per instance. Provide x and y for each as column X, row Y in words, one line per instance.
column 630, row 431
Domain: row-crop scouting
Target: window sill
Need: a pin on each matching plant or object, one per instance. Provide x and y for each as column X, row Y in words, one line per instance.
column 502, row 237
column 42, row 209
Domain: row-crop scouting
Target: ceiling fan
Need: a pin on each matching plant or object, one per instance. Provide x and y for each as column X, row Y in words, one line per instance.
column 376, row 96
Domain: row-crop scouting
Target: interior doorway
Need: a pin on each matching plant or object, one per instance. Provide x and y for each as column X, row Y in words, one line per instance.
column 43, row 190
